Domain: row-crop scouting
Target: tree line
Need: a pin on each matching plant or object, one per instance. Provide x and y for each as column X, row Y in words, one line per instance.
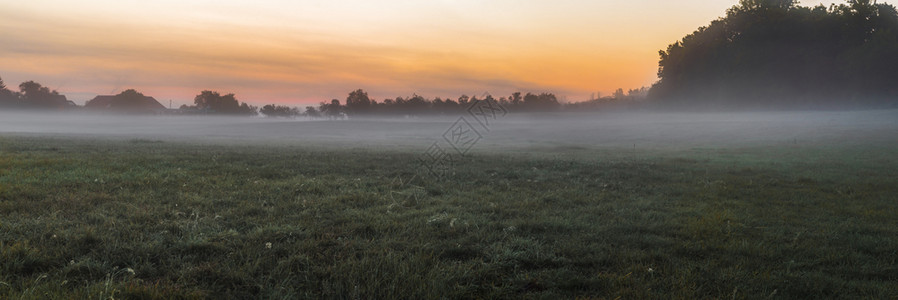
column 210, row 102
column 32, row 95
column 358, row 103
column 777, row 53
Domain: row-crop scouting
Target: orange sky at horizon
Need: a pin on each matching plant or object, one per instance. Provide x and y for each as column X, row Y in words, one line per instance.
column 303, row 52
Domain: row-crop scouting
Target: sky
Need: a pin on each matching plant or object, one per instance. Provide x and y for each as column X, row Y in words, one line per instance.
column 302, row 52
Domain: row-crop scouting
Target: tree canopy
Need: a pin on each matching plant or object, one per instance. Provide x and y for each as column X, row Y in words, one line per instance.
column 215, row 103
column 35, row 95
column 774, row 52
column 7, row 97
column 272, row 110
column 358, row 102
column 32, row 95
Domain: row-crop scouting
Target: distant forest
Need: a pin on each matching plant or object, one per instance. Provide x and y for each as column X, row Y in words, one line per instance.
column 32, row 95
column 774, row 53
column 359, row 104
column 762, row 54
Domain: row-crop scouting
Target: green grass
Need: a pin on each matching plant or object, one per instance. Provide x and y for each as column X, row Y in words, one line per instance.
column 149, row 219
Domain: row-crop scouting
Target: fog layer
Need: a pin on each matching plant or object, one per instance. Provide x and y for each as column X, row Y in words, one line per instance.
column 624, row 130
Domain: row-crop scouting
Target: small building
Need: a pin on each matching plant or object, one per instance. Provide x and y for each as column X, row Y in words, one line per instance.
column 133, row 103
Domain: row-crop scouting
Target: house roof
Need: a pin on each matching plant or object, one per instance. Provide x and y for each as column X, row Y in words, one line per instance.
column 116, row 102
column 99, row 102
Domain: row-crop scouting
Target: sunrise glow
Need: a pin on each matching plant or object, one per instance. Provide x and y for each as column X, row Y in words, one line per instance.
column 299, row 52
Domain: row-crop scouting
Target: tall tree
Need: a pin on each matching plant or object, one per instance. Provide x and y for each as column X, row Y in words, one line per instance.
column 774, row 52
column 332, row 110
column 35, row 95
column 7, row 98
column 311, row 112
column 358, row 103
column 215, row 103
column 272, row 110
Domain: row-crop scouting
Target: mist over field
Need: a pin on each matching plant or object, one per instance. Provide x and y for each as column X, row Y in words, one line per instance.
column 549, row 132
column 632, row 205
column 221, row 157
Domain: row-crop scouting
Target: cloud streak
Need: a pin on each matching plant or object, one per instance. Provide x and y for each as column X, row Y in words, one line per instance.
column 306, row 51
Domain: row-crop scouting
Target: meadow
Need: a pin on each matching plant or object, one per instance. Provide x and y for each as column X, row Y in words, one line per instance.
column 91, row 217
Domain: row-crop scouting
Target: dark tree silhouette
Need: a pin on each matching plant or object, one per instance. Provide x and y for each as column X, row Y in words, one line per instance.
column 214, row 103
column 516, row 98
column 8, row 98
column 619, row 93
column 463, row 100
column 34, row 95
column 775, row 53
column 332, row 110
column 311, row 112
column 272, row 110
column 541, row 102
column 358, row 103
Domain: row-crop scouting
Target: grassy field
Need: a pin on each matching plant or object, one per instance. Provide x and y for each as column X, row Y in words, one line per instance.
column 143, row 219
